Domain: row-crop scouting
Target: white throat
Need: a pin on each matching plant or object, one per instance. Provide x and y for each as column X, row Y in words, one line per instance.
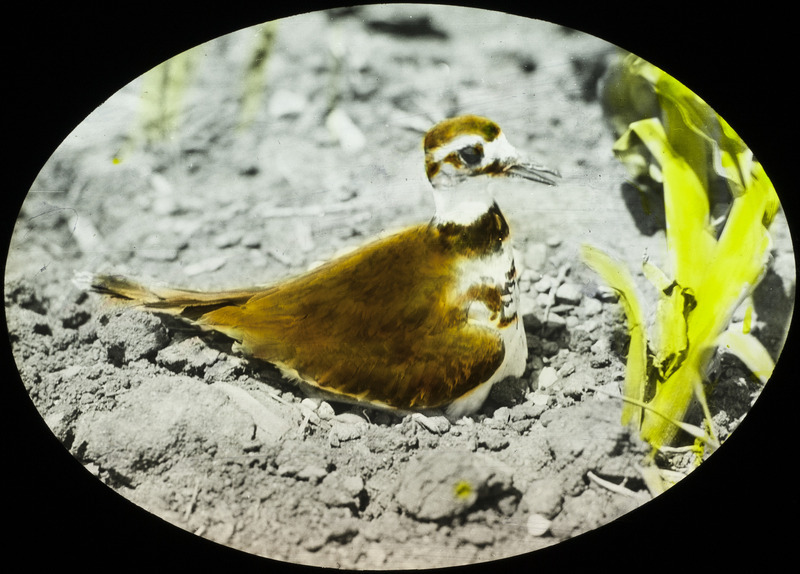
column 463, row 203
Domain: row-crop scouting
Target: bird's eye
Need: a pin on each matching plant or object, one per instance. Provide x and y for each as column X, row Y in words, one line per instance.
column 471, row 155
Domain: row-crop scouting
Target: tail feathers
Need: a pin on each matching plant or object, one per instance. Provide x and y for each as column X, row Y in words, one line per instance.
column 184, row 302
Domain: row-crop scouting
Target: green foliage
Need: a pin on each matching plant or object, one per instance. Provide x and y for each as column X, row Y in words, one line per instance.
column 255, row 72
column 163, row 98
column 163, row 92
column 710, row 273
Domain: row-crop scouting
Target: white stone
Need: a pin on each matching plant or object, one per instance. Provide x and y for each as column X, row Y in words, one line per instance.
column 538, row 525
column 547, row 376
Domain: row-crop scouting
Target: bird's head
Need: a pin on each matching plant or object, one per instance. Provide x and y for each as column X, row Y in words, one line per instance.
column 465, row 147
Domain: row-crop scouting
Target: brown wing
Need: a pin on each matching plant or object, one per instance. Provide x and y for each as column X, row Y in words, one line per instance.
column 377, row 325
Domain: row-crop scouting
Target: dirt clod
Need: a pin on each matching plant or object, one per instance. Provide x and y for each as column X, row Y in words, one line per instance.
column 443, row 486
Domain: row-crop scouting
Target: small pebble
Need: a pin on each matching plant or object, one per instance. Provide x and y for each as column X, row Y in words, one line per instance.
column 190, row 355
column 611, row 389
column 538, row 525
column 524, row 412
column 569, row 293
column 353, row 485
column 477, row 534
column 549, row 348
column 544, row 497
column 521, row 426
column 205, row 266
column 342, row 530
column 554, row 324
column 251, row 241
column 540, row 399
column 313, row 474
column 590, row 325
column 325, row 411
column 310, row 403
column 339, row 490
column 553, row 241
column 229, row 239
column 592, row 306
column 575, row 385
column 502, row 414
column 606, row 294
column 435, row 424
column 350, row 418
column 342, row 432
column 547, row 376
column 164, row 205
column 566, row 369
column 601, row 346
column 374, row 557
column 493, row 442
column 562, row 309
column 543, row 285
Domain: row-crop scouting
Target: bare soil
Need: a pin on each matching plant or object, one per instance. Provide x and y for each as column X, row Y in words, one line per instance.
column 174, row 421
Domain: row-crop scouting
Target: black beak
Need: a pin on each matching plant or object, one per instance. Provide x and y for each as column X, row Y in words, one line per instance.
column 533, row 172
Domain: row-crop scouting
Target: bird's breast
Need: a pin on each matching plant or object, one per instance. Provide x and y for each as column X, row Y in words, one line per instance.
column 488, row 287
column 486, row 282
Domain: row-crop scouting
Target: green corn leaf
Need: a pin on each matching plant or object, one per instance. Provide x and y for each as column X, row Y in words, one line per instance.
column 739, row 260
column 616, row 275
column 674, row 397
column 163, row 92
column 656, row 276
column 690, row 238
column 751, row 352
column 255, row 72
column 696, row 132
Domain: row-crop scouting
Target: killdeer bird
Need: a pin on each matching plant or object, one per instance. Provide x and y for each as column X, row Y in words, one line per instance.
column 426, row 318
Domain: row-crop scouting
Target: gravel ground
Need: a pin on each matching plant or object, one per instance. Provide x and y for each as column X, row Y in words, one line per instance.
column 175, row 422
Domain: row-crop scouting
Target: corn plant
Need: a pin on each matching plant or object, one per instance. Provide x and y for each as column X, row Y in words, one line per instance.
column 709, row 272
column 164, row 90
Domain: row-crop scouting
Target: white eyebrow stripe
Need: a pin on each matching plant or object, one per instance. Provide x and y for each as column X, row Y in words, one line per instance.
column 498, row 148
column 458, row 143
